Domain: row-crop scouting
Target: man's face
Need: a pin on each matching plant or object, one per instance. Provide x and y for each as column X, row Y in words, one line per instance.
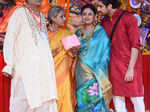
column 35, row 2
column 102, row 8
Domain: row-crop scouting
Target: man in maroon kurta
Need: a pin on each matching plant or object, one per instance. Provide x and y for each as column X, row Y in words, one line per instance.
column 125, row 60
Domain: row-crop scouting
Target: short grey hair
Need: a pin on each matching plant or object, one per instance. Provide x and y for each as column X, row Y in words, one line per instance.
column 54, row 11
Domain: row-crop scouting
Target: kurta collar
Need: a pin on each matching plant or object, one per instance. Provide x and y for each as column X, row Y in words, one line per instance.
column 117, row 12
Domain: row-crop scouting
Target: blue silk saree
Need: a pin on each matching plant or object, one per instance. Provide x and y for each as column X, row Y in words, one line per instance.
column 91, row 71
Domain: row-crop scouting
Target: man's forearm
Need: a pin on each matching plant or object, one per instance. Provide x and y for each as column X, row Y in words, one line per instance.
column 133, row 58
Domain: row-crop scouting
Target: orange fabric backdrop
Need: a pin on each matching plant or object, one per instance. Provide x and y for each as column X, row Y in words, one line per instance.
column 45, row 7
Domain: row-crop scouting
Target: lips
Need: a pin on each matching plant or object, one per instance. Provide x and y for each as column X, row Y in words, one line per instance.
column 86, row 19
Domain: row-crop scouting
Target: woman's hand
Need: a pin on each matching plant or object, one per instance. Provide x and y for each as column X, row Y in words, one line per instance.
column 55, row 51
column 74, row 51
column 7, row 75
column 52, row 27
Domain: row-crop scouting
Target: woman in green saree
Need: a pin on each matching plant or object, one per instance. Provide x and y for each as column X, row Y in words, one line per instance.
column 91, row 70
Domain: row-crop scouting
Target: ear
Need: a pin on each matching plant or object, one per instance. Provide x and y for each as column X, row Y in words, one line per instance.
column 53, row 18
column 96, row 17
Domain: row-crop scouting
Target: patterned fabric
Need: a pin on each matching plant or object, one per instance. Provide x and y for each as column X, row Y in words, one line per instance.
column 63, row 64
column 91, row 71
column 88, row 98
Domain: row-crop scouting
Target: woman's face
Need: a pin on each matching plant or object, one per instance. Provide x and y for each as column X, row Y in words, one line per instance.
column 88, row 16
column 34, row 2
column 59, row 20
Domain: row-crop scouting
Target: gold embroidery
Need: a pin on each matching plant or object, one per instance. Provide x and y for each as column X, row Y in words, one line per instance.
column 34, row 26
column 88, row 39
column 105, row 84
column 86, row 69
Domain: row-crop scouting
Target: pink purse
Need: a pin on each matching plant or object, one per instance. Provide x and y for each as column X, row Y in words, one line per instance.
column 71, row 42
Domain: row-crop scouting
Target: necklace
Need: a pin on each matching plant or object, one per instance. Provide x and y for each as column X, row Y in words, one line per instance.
column 87, row 35
column 87, row 38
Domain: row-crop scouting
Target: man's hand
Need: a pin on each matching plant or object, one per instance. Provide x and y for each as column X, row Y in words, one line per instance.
column 7, row 75
column 130, row 72
column 129, row 75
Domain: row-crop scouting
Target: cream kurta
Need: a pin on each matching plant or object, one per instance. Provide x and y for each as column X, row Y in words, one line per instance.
column 29, row 59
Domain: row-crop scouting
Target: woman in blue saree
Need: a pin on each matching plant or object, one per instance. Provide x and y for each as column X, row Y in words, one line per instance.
column 93, row 86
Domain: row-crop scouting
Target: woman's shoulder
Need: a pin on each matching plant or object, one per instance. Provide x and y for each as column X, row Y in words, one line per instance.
column 66, row 30
column 99, row 27
column 62, row 33
column 100, row 32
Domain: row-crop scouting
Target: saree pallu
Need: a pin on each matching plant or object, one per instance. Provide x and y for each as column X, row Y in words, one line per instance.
column 93, row 86
column 63, row 64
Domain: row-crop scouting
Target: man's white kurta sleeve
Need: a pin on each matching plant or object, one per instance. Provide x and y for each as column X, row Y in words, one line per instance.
column 9, row 42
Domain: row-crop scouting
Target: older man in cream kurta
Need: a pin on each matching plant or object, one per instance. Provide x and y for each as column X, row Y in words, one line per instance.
column 29, row 61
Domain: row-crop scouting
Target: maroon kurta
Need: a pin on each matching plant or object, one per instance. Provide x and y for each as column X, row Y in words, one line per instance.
column 125, row 37
column 4, row 81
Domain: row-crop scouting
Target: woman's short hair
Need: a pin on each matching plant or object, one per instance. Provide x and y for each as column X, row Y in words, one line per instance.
column 115, row 3
column 90, row 6
column 54, row 11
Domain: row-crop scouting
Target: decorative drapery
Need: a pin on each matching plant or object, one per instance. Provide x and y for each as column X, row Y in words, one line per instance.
column 45, row 7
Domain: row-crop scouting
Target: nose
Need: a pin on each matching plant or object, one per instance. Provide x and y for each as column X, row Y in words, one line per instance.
column 64, row 19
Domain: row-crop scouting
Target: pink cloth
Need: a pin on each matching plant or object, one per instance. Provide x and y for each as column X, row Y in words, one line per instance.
column 71, row 42
column 125, row 37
